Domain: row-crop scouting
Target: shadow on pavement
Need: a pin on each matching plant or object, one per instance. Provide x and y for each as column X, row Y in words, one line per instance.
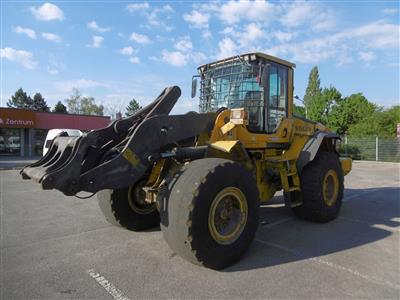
column 367, row 216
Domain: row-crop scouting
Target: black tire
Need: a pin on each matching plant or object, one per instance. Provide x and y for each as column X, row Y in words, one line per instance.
column 185, row 222
column 314, row 205
column 121, row 208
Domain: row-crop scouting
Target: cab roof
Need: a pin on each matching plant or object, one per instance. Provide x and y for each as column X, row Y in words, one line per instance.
column 249, row 55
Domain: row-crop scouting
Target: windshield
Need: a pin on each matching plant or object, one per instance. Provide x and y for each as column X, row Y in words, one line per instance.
column 234, row 85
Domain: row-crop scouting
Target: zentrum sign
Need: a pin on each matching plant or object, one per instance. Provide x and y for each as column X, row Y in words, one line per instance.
column 16, row 118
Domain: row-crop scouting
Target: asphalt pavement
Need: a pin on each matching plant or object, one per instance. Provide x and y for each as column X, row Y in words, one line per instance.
column 58, row 247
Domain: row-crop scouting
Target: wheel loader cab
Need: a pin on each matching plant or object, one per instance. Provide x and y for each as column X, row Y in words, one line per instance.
column 259, row 83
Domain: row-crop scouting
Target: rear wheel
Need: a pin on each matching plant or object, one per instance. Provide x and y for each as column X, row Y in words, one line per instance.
column 212, row 212
column 127, row 208
column 321, row 189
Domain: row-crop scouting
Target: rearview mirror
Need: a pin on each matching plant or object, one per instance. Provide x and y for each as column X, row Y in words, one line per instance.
column 194, row 86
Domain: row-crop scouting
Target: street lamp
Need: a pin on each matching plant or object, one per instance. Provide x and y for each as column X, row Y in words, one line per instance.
column 302, row 101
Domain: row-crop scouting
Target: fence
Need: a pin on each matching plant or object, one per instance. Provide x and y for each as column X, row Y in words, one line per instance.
column 371, row 148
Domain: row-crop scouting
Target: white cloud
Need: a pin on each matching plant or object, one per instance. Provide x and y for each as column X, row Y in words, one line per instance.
column 390, row 11
column 184, row 44
column 252, row 33
column 97, row 41
column 174, row 58
column 47, row 12
column 137, row 6
column 154, row 18
column 51, row 37
column 235, row 11
column 367, row 56
column 93, row 25
column 134, row 60
column 227, row 48
column 206, row 34
column 139, row 38
column 283, row 36
column 68, row 85
column 198, row 57
column 340, row 46
column 299, row 13
column 378, row 35
column 21, row 57
column 52, row 71
column 183, row 56
column 127, row 51
column 27, row 31
column 197, row 19
column 54, row 66
column 153, row 14
column 248, row 39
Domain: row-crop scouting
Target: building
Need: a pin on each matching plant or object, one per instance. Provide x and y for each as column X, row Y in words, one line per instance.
column 23, row 132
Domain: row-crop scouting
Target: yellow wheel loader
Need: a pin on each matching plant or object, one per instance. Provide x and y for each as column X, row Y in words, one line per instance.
column 203, row 176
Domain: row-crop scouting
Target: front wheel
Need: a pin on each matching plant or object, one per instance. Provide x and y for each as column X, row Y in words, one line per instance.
column 127, row 208
column 212, row 212
column 321, row 189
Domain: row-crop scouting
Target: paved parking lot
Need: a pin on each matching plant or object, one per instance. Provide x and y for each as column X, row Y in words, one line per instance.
column 53, row 246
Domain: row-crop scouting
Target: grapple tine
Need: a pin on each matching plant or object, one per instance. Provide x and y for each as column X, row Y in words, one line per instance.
column 59, row 154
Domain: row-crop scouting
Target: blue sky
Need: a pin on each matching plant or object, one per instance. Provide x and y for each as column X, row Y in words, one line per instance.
column 116, row 50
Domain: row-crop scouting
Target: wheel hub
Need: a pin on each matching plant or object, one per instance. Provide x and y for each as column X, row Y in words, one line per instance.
column 227, row 215
column 137, row 199
column 330, row 187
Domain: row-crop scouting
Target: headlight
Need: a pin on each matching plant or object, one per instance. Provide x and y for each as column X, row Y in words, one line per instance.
column 239, row 116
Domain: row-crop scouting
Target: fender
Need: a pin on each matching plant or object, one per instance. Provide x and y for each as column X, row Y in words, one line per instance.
column 311, row 148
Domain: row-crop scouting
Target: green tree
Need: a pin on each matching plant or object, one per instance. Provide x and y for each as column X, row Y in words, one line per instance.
column 388, row 120
column 83, row 105
column 313, row 90
column 89, row 107
column 382, row 123
column 299, row 110
column 60, row 108
column 132, row 107
column 39, row 103
column 20, row 100
column 321, row 106
column 349, row 111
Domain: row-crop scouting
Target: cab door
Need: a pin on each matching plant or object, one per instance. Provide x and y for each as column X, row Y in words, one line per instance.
column 276, row 99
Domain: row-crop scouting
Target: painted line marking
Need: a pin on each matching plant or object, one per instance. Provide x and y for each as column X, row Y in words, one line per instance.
column 332, row 265
column 108, row 286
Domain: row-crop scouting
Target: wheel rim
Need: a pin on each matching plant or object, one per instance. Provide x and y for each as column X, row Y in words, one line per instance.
column 137, row 200
column 228, row 215
column 330, row 187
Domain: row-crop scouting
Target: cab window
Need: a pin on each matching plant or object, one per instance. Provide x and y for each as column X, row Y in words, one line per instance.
column 277, row 98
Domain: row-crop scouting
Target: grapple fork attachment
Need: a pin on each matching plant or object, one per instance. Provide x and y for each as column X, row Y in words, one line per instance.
column 71, row 157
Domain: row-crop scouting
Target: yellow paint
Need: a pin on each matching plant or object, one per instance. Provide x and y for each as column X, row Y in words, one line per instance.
column 225, row 146
column 155, row 173
column 330, row 187
column 131, row 157
column 346, row 165
column 227, row 127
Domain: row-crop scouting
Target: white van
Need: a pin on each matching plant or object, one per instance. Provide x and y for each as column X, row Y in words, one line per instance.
column 54, row 132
